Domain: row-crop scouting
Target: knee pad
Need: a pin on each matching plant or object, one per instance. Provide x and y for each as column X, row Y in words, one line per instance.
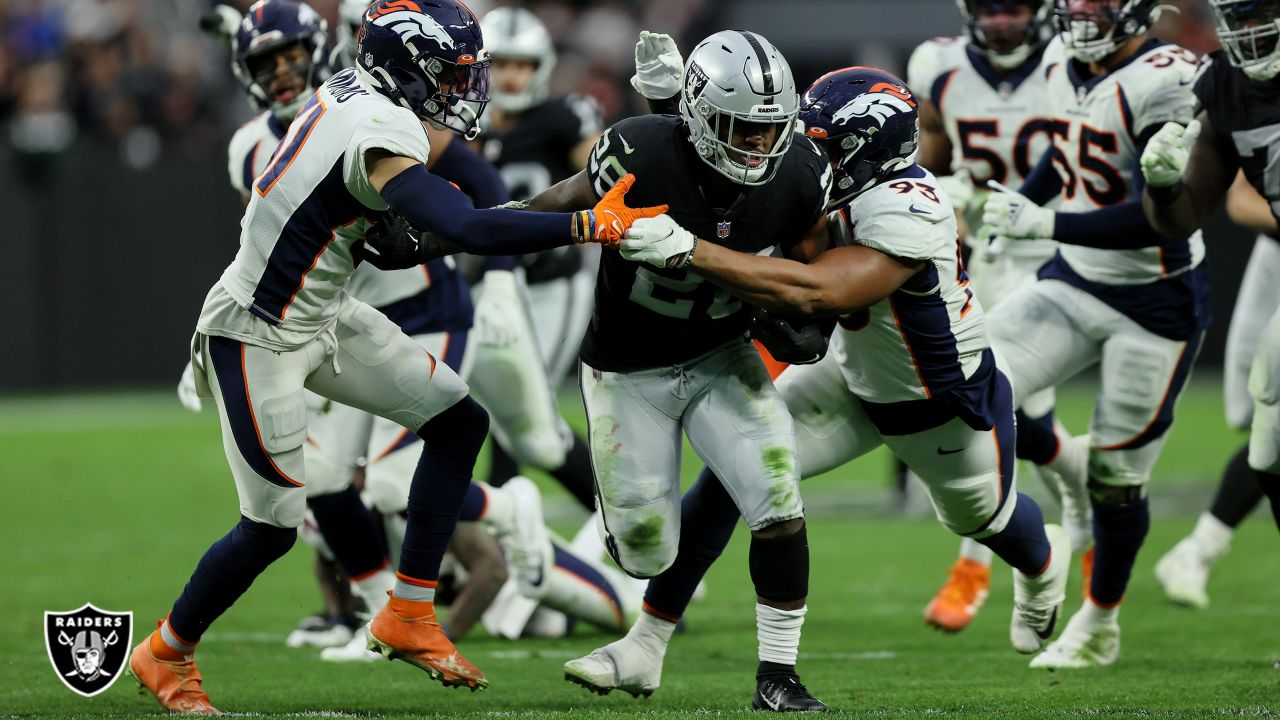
column 642, row 547
column 461, row 428
column 780, row 566
column 973, row 506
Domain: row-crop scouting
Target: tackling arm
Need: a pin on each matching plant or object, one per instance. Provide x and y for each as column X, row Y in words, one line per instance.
column 1179, row 210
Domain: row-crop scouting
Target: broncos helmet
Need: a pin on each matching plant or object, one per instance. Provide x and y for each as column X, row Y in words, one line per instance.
column 514, row 33
column 1081, row 21
column 868, row 123
column 268, row 26
column 427, row 56
column 983, row 33
column 1250, row 33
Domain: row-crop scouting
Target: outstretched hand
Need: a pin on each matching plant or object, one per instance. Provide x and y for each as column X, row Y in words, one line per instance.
column 609, row 220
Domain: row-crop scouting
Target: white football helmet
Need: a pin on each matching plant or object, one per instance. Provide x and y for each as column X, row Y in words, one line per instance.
column 513, row 33
column 737, row 76
column 1081, row 21
column 1250, row 33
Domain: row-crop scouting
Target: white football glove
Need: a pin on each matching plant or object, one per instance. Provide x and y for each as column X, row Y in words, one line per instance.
column 498, row 310
column 659, row 67
column 1165, row 159
column 1009, row 215
column 659, row 241
column 187, row 390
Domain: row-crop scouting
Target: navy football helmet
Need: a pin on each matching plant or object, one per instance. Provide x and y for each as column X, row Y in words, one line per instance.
column 1094, row 29
column 868, row 123
column 268, row 27
column 427, row 56
column 1006, row 45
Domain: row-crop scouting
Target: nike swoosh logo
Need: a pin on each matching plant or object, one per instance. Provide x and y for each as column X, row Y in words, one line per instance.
column 1047, row 632
column 949, row 452
column 917, row 210
column 774, row 702
column 626, row 147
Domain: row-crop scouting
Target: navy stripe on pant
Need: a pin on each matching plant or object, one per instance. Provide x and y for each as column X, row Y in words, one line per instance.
column 228, row 359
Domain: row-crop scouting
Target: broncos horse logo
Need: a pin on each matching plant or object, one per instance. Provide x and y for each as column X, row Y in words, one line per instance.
column 409, row 20
column 881, row 103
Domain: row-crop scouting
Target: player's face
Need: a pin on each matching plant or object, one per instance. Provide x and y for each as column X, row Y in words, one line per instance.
column 1003, row 25
column 512, row 76
column 282, row 72
column 1249, row 15
column 752, row 137
column 1100, row 12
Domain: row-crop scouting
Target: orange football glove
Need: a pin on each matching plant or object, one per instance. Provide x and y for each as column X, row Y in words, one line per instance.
column 608, row 221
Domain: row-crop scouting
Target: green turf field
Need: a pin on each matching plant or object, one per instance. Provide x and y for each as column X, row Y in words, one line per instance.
column 113, row 498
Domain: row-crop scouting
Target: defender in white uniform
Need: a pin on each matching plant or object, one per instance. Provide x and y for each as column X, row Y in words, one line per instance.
column 1117, row 294
column 910, row 367
column 984, row 117
column 279, row 321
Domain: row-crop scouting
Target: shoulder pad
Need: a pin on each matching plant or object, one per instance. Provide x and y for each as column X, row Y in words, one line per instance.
column 932, row 59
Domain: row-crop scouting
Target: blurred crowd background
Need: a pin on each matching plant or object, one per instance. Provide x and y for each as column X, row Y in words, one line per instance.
column 115, row 116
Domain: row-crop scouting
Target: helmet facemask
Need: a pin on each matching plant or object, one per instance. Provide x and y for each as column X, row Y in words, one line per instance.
column 455, row 98
column 261, row 69
column 1095, row 29
column 715, row 146
column 1250, row 34
column 1008, row 32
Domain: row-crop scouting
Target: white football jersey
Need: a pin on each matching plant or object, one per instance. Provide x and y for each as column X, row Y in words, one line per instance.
column 1102, row 119
column 306, row 212
column 248, row 155
column 928, row 336
column 998, row 124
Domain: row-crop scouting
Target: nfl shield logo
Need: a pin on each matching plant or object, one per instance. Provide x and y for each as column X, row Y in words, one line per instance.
column 722, row 230
column 88, row 646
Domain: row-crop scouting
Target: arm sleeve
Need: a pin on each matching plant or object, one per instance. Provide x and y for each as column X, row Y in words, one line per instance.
column 1123, row 226
column 430, row 203
column 1044, row 183
column 480, row 180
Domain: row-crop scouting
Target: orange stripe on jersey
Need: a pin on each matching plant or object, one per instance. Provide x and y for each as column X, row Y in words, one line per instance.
column 905, row 343
column 333, row 235
column 308, row 119
column 244, row 369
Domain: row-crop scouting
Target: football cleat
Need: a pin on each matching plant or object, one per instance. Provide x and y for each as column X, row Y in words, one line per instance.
column 958, row 602
column 785, row 693
column 354, row 651
column 621, row 665
column 1037, row 601
column 1183, row 572
column 319, row 630
column 421, row 642
column 176, row 685
column 1085, row 642
column 528, row 545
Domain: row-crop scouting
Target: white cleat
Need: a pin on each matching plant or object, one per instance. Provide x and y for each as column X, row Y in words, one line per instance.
column 354, row 651
column 1086, row 642
column 1037, row 601
column 528, row 544
column 317, row 631
column 1070, row 471
column 621, row 665
column 1183, row 572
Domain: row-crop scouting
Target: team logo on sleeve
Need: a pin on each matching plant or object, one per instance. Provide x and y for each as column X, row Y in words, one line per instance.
column 881, row 103
column 88, row 646
column 408, row 19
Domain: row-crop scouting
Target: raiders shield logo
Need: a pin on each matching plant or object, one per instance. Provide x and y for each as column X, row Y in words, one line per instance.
column 88, row 646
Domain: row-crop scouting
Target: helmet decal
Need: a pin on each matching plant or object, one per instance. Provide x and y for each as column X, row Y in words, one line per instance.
column 406, row 18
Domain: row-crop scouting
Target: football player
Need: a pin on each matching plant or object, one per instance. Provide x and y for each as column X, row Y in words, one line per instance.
column 537, row 139
column 1183, row 572
column 279, row 322
column 1117, row 294
column 910, row 367
column 1189, row 166
column 666, row 354
column 982, row 120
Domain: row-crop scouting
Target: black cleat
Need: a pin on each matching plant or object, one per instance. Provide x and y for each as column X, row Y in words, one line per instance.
column 784, row 693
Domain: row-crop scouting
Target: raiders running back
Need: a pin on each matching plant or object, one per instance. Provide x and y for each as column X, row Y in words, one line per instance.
column 1246, row 117
column 646, row 317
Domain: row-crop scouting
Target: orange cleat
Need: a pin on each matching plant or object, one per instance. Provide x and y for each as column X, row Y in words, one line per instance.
column 175, row 684
column 958, row 602
column 421, row 642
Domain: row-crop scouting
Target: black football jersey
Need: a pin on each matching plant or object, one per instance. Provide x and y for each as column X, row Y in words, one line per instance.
column 647, row 317
column 1246, row 117
column 533, row 154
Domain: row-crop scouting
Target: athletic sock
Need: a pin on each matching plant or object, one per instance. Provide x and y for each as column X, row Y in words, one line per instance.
column 778, row 634
column 1022, row 543
column 1036, row 439
column 166, row 645
column 652, row 632
column 971, row 549
column 1118, row 531
column 451, row 442
column 1238, row 492
column 1212, row 536
column 350, row 532
column 372, row 587
column 708, row 517
column 225, row 571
